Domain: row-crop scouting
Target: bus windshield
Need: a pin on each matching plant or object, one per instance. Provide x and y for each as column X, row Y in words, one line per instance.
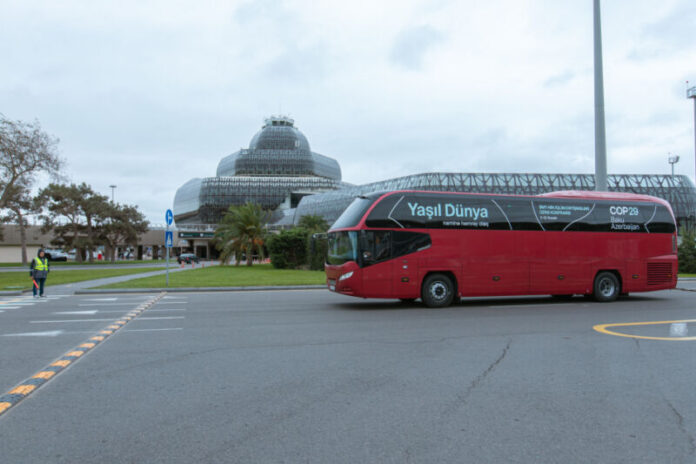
column 343, row 247
column 352, row 215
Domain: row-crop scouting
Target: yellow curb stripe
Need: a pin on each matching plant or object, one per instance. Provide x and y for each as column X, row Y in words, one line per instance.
column 97, row 337
column 61, row 363
column 87, row 345
column 43, row 375
column 74, row 353
column 22, row 390
column 602, row 328
column 4, row 406
column 106, row 332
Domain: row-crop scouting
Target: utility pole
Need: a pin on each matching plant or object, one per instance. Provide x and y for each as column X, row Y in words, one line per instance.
column 112, row 187
column 600, row 132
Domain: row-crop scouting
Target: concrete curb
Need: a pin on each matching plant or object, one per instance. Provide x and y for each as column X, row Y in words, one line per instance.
column 91, row 291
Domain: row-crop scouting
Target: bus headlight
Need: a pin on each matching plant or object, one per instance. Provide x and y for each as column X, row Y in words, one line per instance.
column 347, row 275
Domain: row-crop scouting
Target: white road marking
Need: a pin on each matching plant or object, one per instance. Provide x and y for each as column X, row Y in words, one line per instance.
column 151, row 330
column 102, row 299
column 77, row 313
column 168, row 309
column 52, row 333
column 10, row 307
column 158, row 318
column 71, row 320
column 176, row 302
column 106, row 304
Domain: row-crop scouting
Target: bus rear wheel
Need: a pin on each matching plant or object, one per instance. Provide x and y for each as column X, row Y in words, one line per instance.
column 437, row 291
column 606, row 287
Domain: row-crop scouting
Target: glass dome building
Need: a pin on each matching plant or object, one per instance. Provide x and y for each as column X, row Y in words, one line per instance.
column 276, row 171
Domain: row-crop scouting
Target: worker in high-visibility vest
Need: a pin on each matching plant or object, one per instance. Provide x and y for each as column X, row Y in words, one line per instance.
column 38, row 272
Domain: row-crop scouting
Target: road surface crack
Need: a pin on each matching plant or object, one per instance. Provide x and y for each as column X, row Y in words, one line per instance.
column 680, row 424
column 482, row 376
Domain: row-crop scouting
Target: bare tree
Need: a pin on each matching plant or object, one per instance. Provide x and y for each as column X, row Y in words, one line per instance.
column 19, row 205
column 25, row 150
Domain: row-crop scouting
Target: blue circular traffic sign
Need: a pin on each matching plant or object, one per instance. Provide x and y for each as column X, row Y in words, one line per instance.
column 169, row 217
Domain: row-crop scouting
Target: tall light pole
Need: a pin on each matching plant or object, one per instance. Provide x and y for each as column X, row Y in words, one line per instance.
column 672, row 160
column 112, row 192
column 600, row 132
column 691, row 93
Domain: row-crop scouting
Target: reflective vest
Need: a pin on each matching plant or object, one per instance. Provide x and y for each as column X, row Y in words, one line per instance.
column 40, row 265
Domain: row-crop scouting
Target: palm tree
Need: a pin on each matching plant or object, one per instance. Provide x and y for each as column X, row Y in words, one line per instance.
column 241, row 231
column 313, row 223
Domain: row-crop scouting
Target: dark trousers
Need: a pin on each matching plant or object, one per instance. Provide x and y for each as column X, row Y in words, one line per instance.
column 41, row 285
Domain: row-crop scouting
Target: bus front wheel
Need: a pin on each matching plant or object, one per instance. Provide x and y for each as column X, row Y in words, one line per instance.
column 438, row 291
column 606, row 287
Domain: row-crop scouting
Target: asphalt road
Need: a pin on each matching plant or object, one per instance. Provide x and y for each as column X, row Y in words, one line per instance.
column 309, row 376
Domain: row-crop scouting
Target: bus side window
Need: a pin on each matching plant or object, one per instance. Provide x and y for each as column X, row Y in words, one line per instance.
column 404, row 243
column 375, row 246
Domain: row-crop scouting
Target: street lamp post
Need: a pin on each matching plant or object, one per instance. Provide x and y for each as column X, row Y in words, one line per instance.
column 672, row 160
column 112, row 192
column 691, row 93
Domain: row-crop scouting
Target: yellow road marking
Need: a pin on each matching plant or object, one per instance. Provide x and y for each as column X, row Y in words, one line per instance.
column 62, row 363
column 44, row 375
column 4, row 406
column 22, row 390
column 87, row 345
column 602, row 328
column 97, row 337
column 114, row 327
column 74, row 353
column 106, row 331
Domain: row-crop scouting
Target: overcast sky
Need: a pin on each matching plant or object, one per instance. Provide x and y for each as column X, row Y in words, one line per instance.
column 148, row 94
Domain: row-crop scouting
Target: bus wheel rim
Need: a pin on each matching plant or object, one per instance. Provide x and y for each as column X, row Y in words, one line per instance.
column 438, row 290
column 606, row 287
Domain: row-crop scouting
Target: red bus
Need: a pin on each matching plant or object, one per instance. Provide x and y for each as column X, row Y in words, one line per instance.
column 439, row 246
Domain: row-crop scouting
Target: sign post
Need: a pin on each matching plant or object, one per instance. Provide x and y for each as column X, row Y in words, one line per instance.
column 168, row 238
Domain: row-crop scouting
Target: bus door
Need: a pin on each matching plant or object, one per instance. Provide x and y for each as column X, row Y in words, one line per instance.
column 377, row 266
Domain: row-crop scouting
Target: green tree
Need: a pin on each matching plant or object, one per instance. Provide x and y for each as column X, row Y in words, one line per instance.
column 76, row 214
column 242, row 230
column 122, row 225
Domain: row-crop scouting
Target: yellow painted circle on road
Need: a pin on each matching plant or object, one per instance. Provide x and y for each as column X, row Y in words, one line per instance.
column 603, row 328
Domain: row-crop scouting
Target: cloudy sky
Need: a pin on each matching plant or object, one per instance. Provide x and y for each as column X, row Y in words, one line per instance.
column 148, row 94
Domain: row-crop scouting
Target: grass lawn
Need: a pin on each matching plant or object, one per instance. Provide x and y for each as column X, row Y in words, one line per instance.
column 22, row 280
column 95, row 263
column 228, row 276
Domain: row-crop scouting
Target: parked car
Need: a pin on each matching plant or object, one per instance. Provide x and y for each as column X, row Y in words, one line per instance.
column 187, row 258
column 55, row 255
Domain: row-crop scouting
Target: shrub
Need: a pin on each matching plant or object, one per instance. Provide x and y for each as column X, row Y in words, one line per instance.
column 288, row 249
column 317, row 247
column 687, row 253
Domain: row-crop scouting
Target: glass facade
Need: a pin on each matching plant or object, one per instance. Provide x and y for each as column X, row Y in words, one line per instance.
column 281, row 173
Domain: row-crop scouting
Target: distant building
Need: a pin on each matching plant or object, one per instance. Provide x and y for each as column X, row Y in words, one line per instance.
column 281, row 173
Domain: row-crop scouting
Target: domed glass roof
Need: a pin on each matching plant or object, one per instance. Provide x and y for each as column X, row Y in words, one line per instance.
column 279, row 149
